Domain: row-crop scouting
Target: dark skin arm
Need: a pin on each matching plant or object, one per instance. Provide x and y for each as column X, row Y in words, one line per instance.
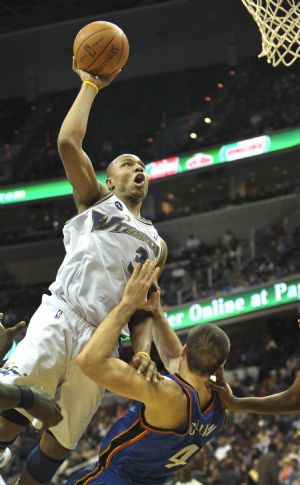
column 141, row 330
column 7, row 336
column 286, row 402
column 78, row 166
column 43, row 408
column 167, row 343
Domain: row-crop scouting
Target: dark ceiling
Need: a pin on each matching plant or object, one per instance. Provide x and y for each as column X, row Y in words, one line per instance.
column 18, row 15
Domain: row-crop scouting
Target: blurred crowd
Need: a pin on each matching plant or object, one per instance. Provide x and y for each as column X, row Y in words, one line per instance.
column 45, row 220
column 248, row 446
column 161, row 126
column 171, row 205
column 197, row 270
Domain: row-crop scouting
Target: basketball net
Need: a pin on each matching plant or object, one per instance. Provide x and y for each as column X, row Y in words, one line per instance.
column 279, row 25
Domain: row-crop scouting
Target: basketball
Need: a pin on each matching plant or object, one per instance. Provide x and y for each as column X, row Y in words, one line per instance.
column 101, row 48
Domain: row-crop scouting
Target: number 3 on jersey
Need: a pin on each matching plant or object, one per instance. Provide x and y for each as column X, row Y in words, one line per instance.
column 141, row 256
column 181, row 457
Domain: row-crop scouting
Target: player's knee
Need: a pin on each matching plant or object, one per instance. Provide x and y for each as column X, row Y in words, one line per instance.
column 52, row 448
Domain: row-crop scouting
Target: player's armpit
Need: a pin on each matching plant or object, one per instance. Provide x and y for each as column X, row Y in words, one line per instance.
column 80, row 173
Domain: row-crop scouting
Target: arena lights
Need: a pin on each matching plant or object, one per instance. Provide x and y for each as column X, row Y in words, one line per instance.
column 207, row 120
column 193, row 135
column 166, row 167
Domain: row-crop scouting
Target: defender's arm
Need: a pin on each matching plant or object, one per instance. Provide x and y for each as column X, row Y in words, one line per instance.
column 95, row 359
column 141, row 326
column 167, row 343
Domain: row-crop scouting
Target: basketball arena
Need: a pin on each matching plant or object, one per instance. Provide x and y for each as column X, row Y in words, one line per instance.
column 206, row 96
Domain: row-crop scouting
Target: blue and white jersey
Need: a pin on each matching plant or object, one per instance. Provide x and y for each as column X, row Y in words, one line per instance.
column 102, row 244
column 135, row 453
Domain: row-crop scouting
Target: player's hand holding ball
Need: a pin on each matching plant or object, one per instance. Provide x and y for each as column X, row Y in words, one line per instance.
column 100, row 82
column 100, row 50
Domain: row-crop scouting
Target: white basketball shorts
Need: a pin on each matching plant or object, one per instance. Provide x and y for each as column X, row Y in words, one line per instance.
column 46, row 357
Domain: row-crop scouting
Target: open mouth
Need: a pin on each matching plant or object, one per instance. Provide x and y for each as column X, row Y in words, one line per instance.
column 139, row 179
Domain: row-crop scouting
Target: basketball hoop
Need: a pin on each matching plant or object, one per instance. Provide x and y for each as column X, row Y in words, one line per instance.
column 279, row 24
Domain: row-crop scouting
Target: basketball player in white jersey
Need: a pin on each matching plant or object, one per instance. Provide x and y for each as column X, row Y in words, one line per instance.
column 41, row 406
column 102, row 243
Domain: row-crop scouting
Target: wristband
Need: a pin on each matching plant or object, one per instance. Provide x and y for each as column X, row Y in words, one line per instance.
column 143, row 353
column 90, row 83
column 26, row 397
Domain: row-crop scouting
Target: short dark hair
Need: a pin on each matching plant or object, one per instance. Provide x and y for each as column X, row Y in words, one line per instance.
column 207, row 348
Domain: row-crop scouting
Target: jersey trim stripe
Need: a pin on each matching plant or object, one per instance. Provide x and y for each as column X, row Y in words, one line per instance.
column 144, row 221
column 127, row 437
column 224, row 420
column 103, row 199
column 212, row 403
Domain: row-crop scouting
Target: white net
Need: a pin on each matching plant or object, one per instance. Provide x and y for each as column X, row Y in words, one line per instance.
column 279, row 25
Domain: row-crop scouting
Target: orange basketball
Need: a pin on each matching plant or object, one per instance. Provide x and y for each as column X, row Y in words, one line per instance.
column 101, row 48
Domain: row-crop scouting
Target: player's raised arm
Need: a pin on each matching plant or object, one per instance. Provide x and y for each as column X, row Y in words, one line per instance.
column 167, row 343
column 282, row 403
column 78, row 166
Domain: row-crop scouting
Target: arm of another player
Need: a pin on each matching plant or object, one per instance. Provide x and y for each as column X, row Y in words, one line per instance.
column 167, row 343
column 77, row 165
column 141, row 329
column 95, row 359
column 36, row 402
column 282, row 403
column 7, row 336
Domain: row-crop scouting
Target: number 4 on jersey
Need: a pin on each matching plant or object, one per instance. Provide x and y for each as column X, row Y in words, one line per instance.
column 181, row 457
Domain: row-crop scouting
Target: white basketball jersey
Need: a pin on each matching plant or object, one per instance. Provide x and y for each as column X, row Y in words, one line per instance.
column 102, row 244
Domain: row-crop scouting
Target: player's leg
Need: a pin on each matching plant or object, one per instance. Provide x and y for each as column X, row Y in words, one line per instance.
column 44, row 461
column 39, row 359
column 79, row 399
column 12, row 424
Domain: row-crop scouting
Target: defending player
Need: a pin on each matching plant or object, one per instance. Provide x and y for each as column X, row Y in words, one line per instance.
column 174, row 417
column 102, row 243
column 282, row 403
